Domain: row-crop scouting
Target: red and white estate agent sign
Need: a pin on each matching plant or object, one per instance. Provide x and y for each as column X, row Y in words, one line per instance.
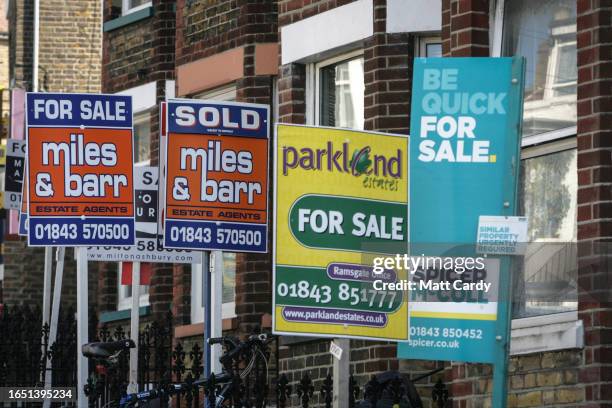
column 80, row 169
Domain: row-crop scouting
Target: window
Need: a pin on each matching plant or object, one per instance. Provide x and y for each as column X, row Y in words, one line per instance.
column 429, row 47
column 124, row 292
column 340, row 91
column 130, row 6
column 142, row 156
column 228, row 296
column 547, row 195
column 142, row 138
column 225, row 93
column 545, row 34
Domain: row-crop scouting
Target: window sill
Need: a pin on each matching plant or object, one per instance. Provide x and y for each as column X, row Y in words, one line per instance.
column 197, row 329
column 560, row 331
column 124, row 314
column 128, row 19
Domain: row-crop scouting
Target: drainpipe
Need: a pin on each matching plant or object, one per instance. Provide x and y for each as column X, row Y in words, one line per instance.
column 35, row 50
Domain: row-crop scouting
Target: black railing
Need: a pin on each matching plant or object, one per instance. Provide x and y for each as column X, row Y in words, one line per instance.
column 383, row 390
column 25, row 349
column 24, row 352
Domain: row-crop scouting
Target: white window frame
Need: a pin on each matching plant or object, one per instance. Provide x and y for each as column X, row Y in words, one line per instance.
column 139, row 117
column 228, row 309
column 420, row 46
column 142, row 97
column 313, row 83
column 123, row 301
column 557, row 331
column 126, row 9
column 226, row 93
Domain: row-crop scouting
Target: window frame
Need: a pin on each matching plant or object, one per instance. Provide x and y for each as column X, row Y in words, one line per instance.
column 126, row 9
column 313, row 83
column 140, row 117
column 228, row 309
column 125, row 302
column 496, row 51
column 421, row 43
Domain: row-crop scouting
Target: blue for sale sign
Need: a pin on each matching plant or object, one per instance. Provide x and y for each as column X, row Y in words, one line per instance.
column 464, row 155
column 80, row 169
column 216, row 181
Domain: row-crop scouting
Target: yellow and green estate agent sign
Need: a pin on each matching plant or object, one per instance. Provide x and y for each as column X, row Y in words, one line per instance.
column 341, row 196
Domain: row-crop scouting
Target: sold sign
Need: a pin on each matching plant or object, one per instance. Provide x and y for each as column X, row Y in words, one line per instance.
column 216, row 184
column 80, row 169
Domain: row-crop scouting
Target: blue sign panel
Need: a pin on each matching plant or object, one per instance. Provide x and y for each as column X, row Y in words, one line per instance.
column 80, row 170
column 464, row 155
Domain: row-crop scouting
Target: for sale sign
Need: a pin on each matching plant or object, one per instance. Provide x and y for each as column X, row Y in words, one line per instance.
column 340, row 197
column 216, row 188
column 80, row 169
column 23, row 208
column 148, row 246
column 13, row 176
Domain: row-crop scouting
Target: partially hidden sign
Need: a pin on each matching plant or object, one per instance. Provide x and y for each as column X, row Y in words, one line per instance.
column 13, row 176
column 216, row 184
column 464, row 155
column 341, row 196
column 148, row 246
column 80, row 169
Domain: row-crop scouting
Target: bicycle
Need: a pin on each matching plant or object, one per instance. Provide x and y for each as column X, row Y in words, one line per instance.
column 238, row 361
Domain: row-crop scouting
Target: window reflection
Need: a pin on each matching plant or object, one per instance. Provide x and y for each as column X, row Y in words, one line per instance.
column 342, row 89
column 548, row 186
column 544, row 32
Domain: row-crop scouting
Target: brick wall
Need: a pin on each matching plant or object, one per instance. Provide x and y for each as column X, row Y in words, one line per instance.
column 594, row 199
column 205, row 28
column 465, row 28
column 20, row 43
column 128, row 56
column 70, row 39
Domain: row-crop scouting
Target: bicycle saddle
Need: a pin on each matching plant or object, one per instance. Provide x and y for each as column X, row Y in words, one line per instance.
column 106, row 350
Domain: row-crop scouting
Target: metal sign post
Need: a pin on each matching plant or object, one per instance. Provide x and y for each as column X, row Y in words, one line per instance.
column 82, row 324
column 206, row 302
column 134, row 323
column 57, row 296
column 47, row 274
column 341, row 374
column 216, row 304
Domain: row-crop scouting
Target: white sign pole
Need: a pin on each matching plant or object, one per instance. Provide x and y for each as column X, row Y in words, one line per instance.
column 82, row 324
column 341, row 373
column 134, row 323
column 57, row 297
column 205, row 269
column 216, row 305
